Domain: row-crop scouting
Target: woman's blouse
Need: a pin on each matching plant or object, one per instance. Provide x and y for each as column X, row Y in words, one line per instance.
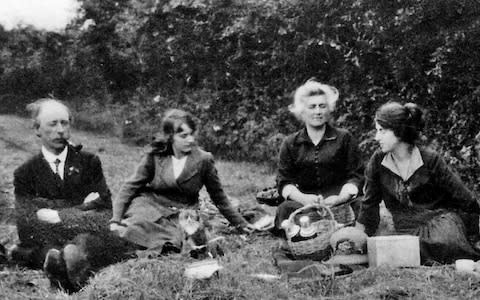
column 323, row 168
column 178, row 165
column 427, row 192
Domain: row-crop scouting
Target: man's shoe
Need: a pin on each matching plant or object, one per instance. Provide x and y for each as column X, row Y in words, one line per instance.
column 56, row 270
column 77, row 265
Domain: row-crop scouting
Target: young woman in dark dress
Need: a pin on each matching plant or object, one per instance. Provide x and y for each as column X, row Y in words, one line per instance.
column 424, row 195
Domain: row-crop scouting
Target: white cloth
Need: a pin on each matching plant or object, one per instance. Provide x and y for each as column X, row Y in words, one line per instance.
column 414, row 164
column 178, row 165
column 51, row 158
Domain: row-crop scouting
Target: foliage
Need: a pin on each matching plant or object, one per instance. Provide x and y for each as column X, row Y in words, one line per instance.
column 235, row 64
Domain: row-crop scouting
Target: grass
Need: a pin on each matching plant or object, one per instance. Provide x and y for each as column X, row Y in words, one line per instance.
column 162, row 277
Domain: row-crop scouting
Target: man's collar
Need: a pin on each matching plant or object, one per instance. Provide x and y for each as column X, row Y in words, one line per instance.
column 330, row 134
column 416, row 162
column 50, row 157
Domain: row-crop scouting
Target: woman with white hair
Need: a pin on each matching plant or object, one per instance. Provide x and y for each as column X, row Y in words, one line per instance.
column 320, row 163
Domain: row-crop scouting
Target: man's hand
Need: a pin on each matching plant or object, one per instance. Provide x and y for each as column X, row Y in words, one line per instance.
column 48, row 215
column 89, row 201
column 91, row 197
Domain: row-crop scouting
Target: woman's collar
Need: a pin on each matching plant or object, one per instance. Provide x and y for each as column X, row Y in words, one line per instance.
column 415, row 163
column 330, row 134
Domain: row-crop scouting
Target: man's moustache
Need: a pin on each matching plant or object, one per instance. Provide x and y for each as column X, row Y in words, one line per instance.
column 60, row 140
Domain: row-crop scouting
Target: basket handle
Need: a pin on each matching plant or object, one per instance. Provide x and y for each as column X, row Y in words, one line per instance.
column 299, row 210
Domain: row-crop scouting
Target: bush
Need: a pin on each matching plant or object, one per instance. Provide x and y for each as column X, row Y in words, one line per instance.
column 234, row 64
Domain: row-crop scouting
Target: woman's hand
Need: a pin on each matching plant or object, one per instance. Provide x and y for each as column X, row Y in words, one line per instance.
column 293, row 193
column 48, row 215
column 336, row 199
column 332, row 200
column 309, row 199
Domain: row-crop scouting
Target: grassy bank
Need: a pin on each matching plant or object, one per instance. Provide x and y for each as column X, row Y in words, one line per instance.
column 162, row 277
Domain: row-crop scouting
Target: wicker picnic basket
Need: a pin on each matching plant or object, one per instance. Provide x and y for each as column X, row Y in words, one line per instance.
column 343, row 214
column 323, row 220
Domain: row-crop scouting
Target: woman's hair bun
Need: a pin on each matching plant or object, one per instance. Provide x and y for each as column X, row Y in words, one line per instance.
column 414, row 116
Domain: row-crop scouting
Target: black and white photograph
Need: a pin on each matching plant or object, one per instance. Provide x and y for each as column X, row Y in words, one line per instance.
column 239, row 149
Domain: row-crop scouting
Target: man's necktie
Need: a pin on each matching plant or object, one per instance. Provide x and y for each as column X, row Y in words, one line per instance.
column 57, row 163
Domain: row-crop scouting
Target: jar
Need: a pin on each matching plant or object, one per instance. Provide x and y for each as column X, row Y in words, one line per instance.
column 306, row 227
column 306, row 230
column 290, row 228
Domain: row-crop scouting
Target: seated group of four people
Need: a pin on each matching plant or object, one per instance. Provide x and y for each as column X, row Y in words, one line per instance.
column 68, row 225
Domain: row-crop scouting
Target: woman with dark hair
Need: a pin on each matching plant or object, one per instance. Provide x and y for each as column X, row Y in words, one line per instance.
column 168, row 179
column 320, row 163
column 425, row 197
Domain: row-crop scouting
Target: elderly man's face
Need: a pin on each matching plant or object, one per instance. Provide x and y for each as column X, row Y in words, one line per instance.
column 53, row 127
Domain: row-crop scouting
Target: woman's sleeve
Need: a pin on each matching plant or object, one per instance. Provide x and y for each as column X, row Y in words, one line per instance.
column 354, row 165
column 215, row 190
column 286, row 167
column 369, row 214
column 143, row 175
column 449, row 181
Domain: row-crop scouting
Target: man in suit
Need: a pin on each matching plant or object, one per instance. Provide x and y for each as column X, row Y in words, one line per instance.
column 62, row 202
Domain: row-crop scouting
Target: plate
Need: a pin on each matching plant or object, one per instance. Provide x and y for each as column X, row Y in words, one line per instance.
column 202, row 269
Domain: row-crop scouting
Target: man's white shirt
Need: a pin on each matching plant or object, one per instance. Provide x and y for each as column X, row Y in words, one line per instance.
column 51, row 158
